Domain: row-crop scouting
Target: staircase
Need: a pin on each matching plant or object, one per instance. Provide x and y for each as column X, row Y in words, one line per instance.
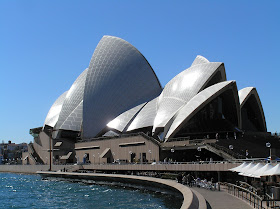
column 223, row 152
column 37, row 159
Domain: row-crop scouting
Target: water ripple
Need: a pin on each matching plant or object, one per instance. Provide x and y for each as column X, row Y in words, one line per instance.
column 29, row 191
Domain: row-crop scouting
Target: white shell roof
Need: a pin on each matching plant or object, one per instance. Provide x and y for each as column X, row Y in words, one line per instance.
column 200, row 60
column 73, row 98
column 120, row 122
column 74, row 121
column 244, row 94
column 145, row 118
column 183, row 87
column 119, row 78
column 195, row 104
column 54, row 111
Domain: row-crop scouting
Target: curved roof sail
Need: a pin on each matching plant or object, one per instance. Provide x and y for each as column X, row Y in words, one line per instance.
column 120, row 122
column 119, row 78
column 54, row 111
column 185, row 86
column 145, row 118
column 253, row 118
column 200, row 60
column 73, row 98
column 197, row 103
column 74, row 121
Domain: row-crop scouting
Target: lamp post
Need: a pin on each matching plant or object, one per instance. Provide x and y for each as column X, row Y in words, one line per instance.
column 268, row 145
column 130, row 152
column 50, row 146
column 199, row 155
column 150, row 151
column 50, row 143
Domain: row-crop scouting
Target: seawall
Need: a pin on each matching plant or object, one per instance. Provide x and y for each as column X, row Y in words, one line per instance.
column 34, row 168
column 191, row 199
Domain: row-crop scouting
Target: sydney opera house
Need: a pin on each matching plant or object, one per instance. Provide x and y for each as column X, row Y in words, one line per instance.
column 117, row 110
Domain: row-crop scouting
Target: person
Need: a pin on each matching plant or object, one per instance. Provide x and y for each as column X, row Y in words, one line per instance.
column 189, row 180
column 179, row 178
column 185, row 181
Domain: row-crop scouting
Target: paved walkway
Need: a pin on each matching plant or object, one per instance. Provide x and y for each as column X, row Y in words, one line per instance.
column 222, row 200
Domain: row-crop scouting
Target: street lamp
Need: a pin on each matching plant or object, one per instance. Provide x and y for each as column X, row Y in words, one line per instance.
column 268, row 145
column 130, row 152
column 50, row 143
column 150, row 151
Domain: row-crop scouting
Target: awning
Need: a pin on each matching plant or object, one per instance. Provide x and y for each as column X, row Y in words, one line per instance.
column 66, row 157
column 132, row 144
column 106, row 153
column 89, row 147
column 261, row 171
column 58, row 144
column 246, row 168
column 273, row 171
column 238, row 168
column 250, row 172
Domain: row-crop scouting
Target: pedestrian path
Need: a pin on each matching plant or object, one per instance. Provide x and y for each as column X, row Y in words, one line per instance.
column 221, row 199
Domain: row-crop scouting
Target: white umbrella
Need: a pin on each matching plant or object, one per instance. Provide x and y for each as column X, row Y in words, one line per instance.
column 244, row 170
column 252, row 170
column 273, row 171
column 262, row 170
column 236, row 169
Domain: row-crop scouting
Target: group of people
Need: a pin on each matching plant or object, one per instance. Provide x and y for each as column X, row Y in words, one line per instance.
column 185, row 179
column 190, row 181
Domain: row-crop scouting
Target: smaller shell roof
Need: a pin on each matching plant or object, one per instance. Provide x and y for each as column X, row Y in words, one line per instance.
column 195, row 104
column 199, row 60
column 145, row 118
column 183, row 87
column 74, row 121
column 54, row 111
column 120, row 122
column 244, row 93
column 72, row 100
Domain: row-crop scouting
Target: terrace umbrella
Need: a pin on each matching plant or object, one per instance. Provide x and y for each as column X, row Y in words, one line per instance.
column 238, row 168
column 262, row 170
column 244, row 170
column 252, row 170
column 273, row 171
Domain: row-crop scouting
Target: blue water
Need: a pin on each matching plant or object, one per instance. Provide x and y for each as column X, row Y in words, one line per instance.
column 30, row 191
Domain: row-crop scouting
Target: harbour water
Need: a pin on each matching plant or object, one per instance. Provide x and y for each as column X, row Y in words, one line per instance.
column 30, row 191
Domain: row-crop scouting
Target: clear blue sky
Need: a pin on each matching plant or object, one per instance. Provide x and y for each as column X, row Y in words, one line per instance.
column 45, row 45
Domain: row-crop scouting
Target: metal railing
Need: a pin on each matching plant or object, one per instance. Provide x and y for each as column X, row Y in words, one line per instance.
column 228, row 151
column 251, row 197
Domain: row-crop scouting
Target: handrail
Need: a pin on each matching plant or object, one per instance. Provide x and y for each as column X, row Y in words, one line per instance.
column 251, row 197
column 226, row 150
